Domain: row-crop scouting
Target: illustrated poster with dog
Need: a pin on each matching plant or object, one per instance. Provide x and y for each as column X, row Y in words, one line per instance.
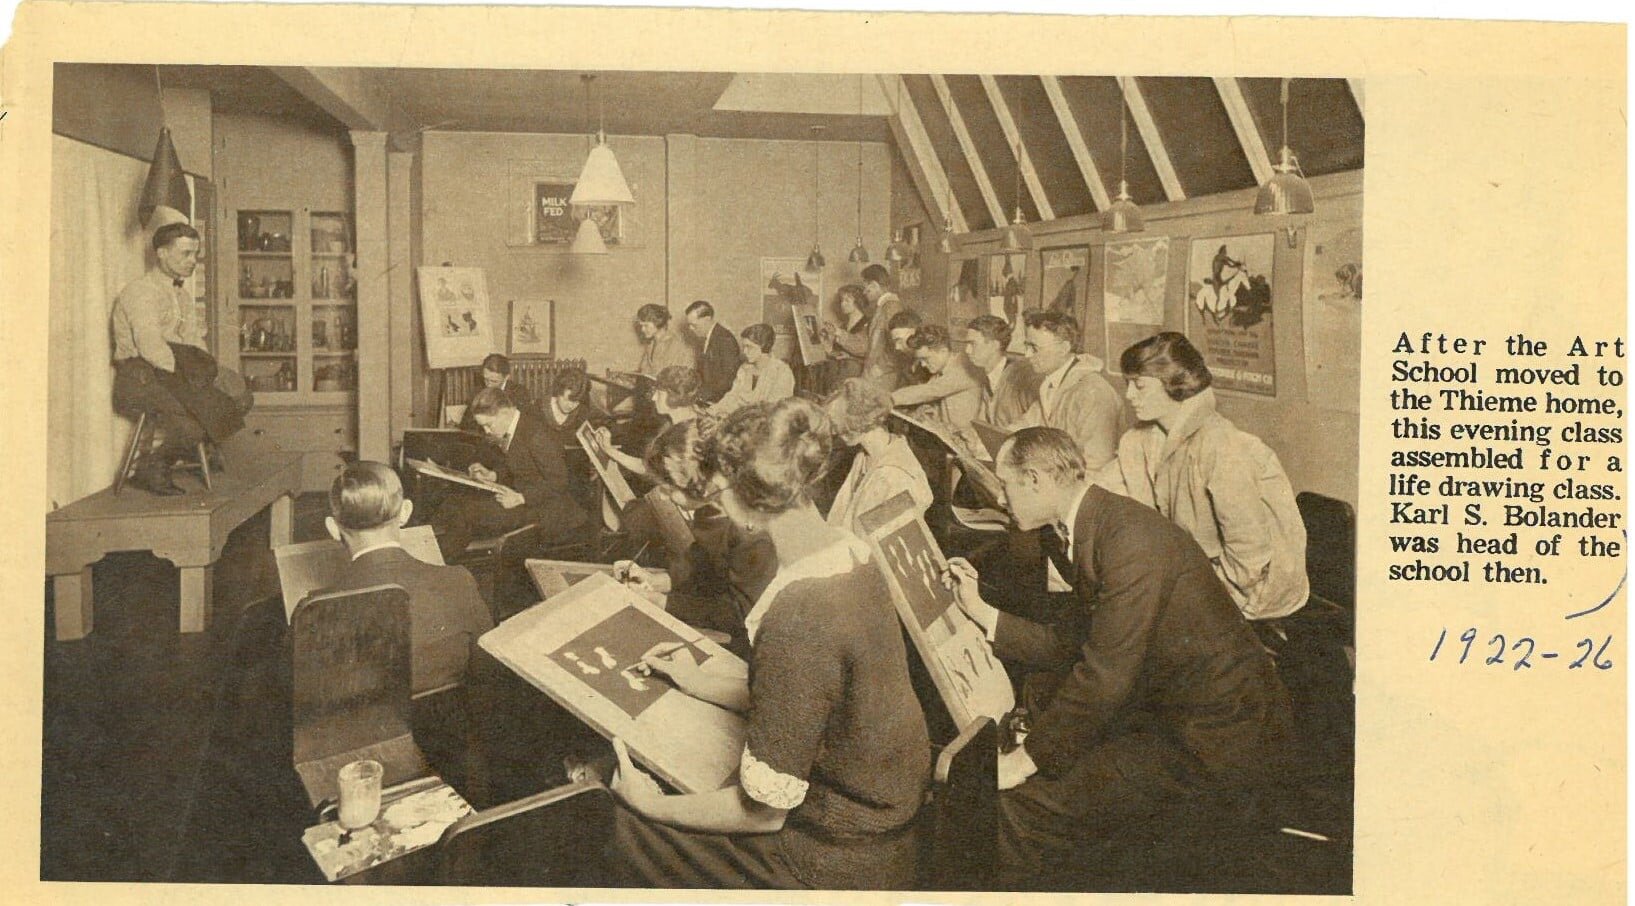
column 1229, row 310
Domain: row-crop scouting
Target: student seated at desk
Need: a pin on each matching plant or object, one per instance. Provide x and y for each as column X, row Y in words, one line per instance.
column 836, row 758
column 1159, row 708
column 566, row 410
column 446, row 611
column 1222, row 484
column 953, row 390
column 675, row 399
column 496, row 373
column 763, row 378
column 885, row 466
column 533, row 471
column 725, row 570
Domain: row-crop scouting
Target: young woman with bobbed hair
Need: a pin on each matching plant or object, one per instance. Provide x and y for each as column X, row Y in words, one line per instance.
column 884, row 467
column 836, row 758
column 1223, row 485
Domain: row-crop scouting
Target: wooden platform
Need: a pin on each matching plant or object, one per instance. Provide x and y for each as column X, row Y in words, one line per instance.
column 188, row 530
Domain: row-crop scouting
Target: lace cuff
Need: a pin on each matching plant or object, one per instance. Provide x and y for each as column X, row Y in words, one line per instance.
column 767, row 786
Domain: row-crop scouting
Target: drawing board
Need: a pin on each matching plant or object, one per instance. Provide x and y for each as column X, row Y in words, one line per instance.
column 671, row 521
column 553, row 577
column 580, row 647
column 315, row 565
column 613, row 479
column 953, row 648
column 806, row 333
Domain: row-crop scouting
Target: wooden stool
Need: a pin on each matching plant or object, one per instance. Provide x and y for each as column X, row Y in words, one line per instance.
column 142, row 437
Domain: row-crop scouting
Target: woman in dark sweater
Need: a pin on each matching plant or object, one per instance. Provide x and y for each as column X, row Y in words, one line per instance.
column 836, row 758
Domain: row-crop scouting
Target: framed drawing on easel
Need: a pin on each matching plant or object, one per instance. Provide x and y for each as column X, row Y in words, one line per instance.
column 953, row 648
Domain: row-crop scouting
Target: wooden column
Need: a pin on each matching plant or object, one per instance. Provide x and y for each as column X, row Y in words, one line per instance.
column 400, row 289
column 374, row 368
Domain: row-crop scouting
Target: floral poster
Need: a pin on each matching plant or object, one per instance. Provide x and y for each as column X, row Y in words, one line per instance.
column 1229, row 310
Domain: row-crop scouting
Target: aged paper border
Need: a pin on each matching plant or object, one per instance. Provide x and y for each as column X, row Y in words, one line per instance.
column 1495, row 200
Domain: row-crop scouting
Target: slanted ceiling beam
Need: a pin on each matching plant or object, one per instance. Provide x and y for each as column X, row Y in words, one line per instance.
column 349, row 95
column 972, row 159
column 1075, row 141
column 1148, row 128
column 1243, row 123
column 1024, row 162
column 908, row 130
column 1356, row 86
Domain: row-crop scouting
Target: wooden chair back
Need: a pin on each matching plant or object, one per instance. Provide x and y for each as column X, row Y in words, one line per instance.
column 959, row 843
column 536, row 841
column 351, row 686
column 1331, row 547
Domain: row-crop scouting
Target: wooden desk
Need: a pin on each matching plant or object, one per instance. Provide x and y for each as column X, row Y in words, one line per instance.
column 188, row 530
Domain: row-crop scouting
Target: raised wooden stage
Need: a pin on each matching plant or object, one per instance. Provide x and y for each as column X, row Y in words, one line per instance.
column 188, row 530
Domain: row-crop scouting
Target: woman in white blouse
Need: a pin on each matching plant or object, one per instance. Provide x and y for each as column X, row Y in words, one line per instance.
column 763, row 378
column 885, row 465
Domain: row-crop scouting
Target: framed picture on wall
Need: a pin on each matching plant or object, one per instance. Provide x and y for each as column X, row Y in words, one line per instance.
column 533, row 327
column 964, row 293
column 454, row 315
column 785, row 283
column 1064, row 274
column 1229, row 310
column 541, row 215
column 1135, row 277
column 1007, row 286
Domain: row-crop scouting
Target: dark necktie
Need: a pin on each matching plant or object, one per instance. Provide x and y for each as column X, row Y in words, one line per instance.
column 176, row 282
column 1053, row 540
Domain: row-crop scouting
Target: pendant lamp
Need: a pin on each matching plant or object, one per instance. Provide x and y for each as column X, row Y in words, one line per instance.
column 949, row 243
column 1287, row 192
column 588, row 239
column 815, row 261
column 601, row 181
column 165, row 190
column 1123, row 216
column 1016, row 236
column 859, row 254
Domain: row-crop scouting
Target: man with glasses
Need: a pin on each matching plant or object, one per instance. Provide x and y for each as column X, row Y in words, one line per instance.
column 1073, row 395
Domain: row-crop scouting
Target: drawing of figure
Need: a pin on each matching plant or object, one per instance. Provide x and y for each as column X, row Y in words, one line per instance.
column 527, row 329
column 466, row 291
column 450, row 326
column 444, row 294
column 471, row 322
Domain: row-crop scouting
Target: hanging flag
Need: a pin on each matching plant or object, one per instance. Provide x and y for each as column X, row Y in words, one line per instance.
column 166, row 186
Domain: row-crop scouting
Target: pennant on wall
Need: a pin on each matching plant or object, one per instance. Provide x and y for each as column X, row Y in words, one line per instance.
column 166, row 186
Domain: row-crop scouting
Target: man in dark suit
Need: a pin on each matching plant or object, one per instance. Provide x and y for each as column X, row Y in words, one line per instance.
column 718, row 353
column 1160, row 698
column 496, row 372
column 534, row 473
column 446, row 611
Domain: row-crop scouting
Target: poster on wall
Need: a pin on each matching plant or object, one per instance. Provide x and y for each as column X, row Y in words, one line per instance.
column 1007, row 287
column 533, row 327
column 454, row 315
column 1229, row 310
column 1332, row 296
column 785, row 282
column 1134, row 279
column 556, row 222
column 1063, row 275
column 909, row 275
column 964, row 294
column 539, row 213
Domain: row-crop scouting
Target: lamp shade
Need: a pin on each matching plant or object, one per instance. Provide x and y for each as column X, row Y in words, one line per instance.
column 588, row 241
column 898, row 251
column 1123, row 215
column 601, row 181
column 859, row 254
column 815, row 261
column 1016, row 237
column 1287, row 192
column 166, row 186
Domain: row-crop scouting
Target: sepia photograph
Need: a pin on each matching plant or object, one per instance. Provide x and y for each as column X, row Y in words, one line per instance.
column 679, row 604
